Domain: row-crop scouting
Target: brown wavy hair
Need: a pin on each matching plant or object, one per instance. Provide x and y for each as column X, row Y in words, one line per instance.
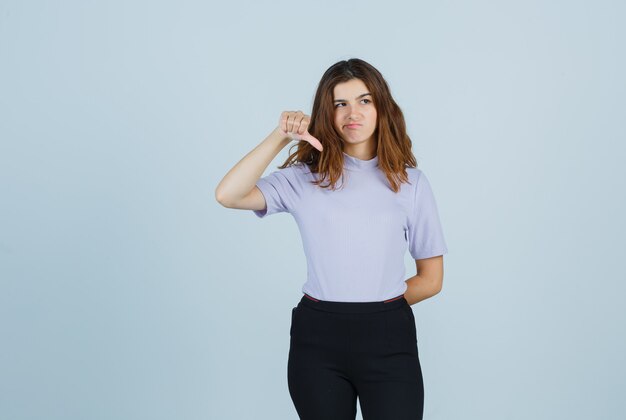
column 393, row 145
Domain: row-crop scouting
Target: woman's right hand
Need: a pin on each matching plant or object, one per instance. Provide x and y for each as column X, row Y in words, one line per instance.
column 294, row 124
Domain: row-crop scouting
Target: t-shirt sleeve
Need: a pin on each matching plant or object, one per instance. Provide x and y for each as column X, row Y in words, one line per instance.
column 281, row 190
column 425, row 234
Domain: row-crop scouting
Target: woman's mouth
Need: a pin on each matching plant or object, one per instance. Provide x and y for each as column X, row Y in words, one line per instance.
column 353, row 125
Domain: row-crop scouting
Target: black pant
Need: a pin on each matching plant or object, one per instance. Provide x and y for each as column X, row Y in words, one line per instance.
column 339, row 350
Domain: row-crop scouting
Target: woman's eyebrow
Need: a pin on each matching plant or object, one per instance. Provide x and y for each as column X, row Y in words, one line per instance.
column 360, row 96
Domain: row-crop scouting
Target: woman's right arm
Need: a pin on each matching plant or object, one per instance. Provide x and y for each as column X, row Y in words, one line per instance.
column 238, row 188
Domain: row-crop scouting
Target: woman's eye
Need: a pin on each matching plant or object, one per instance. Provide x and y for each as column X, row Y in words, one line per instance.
column 342, row 103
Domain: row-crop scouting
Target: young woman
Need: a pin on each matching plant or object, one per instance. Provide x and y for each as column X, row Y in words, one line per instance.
column 359, row 200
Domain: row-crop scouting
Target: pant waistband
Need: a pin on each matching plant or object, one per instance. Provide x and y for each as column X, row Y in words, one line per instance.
column 353, row 307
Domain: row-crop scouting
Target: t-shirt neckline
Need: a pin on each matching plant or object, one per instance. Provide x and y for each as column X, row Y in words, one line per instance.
column 356, row 163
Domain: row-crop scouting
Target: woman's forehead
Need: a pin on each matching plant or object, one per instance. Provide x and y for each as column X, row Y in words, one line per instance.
column 352, row 89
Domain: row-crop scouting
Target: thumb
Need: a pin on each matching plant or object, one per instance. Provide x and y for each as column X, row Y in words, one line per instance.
column 312, row 140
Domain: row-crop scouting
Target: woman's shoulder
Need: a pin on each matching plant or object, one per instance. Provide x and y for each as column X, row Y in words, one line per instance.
column 299, row 169
column 292, row 168
column 413, row 173
column 295, row 172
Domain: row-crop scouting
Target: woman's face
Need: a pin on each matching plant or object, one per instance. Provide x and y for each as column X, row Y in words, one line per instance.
column 355, row 113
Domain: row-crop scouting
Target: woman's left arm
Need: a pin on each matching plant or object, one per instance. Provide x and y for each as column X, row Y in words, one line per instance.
column 427, row 282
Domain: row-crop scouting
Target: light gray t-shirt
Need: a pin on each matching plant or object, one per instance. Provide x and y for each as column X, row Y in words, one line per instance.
column 355, row 238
